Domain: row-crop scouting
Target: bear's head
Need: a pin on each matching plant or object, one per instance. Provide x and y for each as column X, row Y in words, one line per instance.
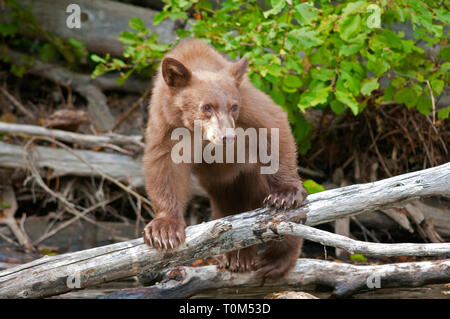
column 211, row 97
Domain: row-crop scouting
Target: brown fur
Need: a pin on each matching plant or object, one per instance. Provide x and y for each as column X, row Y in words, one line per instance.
column 194, row 74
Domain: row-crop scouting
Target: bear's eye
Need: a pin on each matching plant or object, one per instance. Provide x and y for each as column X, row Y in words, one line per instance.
column 207, row 107
column 234, row 108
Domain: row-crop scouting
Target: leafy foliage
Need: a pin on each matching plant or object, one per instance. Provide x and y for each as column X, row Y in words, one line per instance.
column 141, row 49
column 17, row 18
column 312, row 187
column 315, row 54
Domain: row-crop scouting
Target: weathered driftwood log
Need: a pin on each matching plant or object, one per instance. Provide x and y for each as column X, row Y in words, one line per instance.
column 345, row 279
column 62, row 162
column 71, row 137
column 121, row 167
column 101, row 22
column 58, row 274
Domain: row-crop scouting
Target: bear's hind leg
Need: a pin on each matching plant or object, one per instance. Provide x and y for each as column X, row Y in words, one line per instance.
column 278, row 258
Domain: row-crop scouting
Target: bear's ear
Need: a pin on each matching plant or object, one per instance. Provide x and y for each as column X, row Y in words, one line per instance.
column 175, row 73
column 239, row 69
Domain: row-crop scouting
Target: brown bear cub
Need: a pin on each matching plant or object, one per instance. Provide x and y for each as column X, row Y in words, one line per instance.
column 196, row 83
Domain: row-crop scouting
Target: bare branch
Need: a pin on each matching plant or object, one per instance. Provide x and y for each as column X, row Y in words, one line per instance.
column 345, row 279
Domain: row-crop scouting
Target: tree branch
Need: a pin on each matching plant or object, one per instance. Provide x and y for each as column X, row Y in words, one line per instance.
column 345, row 279
column 71, row 137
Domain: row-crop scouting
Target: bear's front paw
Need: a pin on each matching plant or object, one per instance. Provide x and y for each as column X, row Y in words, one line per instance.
column 164, row 233
column 287, row 198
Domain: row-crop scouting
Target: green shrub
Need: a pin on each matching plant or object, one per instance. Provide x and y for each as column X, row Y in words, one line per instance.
column 50, row 48
column 313, row 54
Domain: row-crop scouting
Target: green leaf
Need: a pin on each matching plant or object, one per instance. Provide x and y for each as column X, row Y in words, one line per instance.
column 128, row 37
column 437, row 86
column 358, row 257
column 257, row 81
column 293, row 62
column 442, row 15
column 408, row 96
column 305, row 37
column 305, row 13
column 348, row 99
column 292, row 81
column 354, row 7
column 312, row 187
column 8, row 29
column 76, row 44
column 48, row 52
column 369, row 85
column 160, row 17
column 123, row 77
column 274, row 69
column 277, row 7
column 444, row 113
column 424, row 105
column 350, row 27
column 97, row 59
column 337, row 107
column 444, row 53
column 4, row 205
column 322, row 74
column 137, row 24
column 349, row 49
column 315, row 95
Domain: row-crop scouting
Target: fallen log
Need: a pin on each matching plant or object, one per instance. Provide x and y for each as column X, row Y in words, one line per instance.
column 64, row 163
column 49, row 276
column 71, row 137
column 345, row 279
column 101, row 22
column 121, row 167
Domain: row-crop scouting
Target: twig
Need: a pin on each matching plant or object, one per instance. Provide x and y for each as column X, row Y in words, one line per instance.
column 360, row 247
column 432, row 101
column 105, row 176
column 380, row 158
column 70, row 207
column 9, row 240
column 423, row 141
column 437, row 133
column 7, row 218
column 74, row 219
column 133, row 108
column 365, row 230
column 17, row 104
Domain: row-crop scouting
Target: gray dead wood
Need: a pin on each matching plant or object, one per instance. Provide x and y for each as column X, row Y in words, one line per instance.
column 121, row 167
column 101, row 22
column 62, row 162
column 345, row 279
column 98, row 108
column 58, row 274
column 71, row 137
